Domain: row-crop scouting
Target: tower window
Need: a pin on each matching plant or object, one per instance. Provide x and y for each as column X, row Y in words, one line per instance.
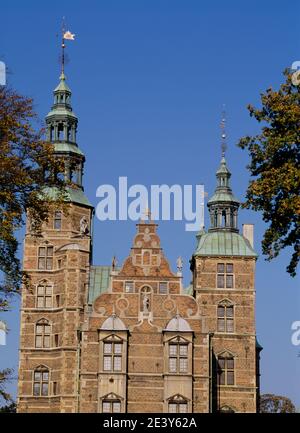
column 112, row 356
column 57, row 220
column 41, row 382
column 225, row 318
column 42, row 334
column 44, row 296
column 178, row 358
column 45, row 258
column 163, row 288
column 226, row 370
column 129, row 287
column 224, row 219
column 225, row 276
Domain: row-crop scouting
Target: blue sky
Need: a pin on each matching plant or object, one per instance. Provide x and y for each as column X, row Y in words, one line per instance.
column 149, row 79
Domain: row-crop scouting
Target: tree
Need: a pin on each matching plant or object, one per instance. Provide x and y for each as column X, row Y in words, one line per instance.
column 270, row 403
column 5, row 376
column 27, row 168
column 274, row 166
column 9, row 408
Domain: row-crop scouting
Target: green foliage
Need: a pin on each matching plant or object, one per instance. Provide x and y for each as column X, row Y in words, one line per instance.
column 270, row 403
column 275, row 169
column 27, row 166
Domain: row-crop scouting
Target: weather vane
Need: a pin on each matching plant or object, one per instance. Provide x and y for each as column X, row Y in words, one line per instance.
column 223, row 132
column 66, row 35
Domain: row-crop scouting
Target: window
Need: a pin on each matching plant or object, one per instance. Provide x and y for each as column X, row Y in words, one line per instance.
column 45, row 259
column 111, row 406
column 177, row 404
column 41, row 381
column 44, row 296
column 163, row 288
column 226, row 409
column 57, row 220
column 54, row 388
column 178, row 358
column 56, row 340
column 129, row 287
column 226, row 370
column 225, row 276
column 225, row 317
column 42, row 334
column 112, row 356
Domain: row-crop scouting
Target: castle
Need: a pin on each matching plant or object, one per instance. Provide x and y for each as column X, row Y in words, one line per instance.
column 132, row 338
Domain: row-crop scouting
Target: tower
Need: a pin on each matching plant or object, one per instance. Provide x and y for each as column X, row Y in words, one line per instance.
column 58, row 261
column 223, row 267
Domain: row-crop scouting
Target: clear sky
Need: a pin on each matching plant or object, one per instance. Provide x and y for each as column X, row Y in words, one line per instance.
column 149, row 79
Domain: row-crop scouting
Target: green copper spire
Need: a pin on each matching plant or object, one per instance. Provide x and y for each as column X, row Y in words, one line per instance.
column 223, row 237
column 61, row 124
column 223, row 205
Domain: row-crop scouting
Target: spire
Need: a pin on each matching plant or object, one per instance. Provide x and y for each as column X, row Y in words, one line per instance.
column 223, row 205
column 61, row 124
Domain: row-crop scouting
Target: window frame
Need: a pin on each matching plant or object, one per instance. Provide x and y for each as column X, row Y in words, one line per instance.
column 226, row 318
column 130, row 283
column 43, row 323
column 111, row 402
column 178, row 357
column 45, row 258
column 226, row 370
column 41, row 370
column 166, row 287
column 223, row 274
column 112, row 356
column 178, row 402
column 57, row 219
column 44, row 296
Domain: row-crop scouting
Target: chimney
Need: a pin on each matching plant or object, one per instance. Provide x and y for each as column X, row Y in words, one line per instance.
column 248, row 232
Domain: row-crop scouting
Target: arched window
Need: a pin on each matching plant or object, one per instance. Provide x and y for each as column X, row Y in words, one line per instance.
column 225, row 317
column 226, row 369
column 42, row 334
column 112, row 354
column 41, row 381
column 111, row 403
column 45, row 257
column 177, row 404
column 226, row 409
column 44, row 295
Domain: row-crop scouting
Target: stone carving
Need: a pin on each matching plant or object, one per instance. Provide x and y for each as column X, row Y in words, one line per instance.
column 84, row 228
column 146, row 303
column 114, row 263
column 179, row 263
